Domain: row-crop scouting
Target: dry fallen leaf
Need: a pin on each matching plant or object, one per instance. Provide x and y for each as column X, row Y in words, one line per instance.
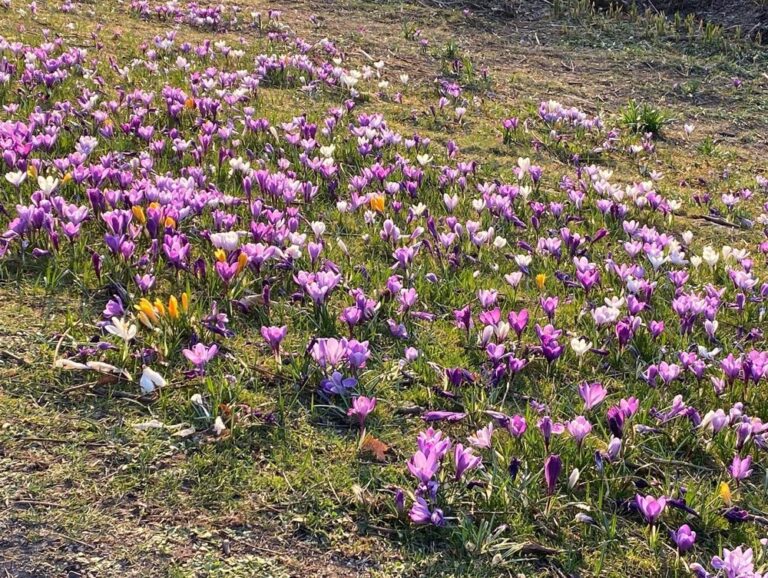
column 377, row 448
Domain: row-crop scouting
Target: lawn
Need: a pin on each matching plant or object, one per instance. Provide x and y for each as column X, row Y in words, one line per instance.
column 351, row 288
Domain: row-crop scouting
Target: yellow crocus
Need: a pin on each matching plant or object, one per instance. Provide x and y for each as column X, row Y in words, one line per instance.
column 725, row 493
column 66, row 178
column 138, row 213
column 377, row 203
column 146, row 308
column 159, row 307
column 32, row 171
column 541, row 278
column 173, row 307
column 144, row 320
column 185, row 302
column 242, row 261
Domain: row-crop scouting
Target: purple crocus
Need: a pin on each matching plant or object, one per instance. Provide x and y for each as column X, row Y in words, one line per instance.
column 516, row 425
column 199, row 355
column 421, row 515
column 740, row 468
column 274, row 336
column 423, row 466
column 579, row 427
column 683, row 537
column 465, row 460
column 651, row 508
column 552, row 466
column 592, row 394
column 337, row 384
column 361, row 407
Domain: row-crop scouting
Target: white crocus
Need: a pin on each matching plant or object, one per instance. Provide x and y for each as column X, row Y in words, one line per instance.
column 580, row 346
column 121, row 328
column 47, row 184
column 16, row 178
column 218, row 426
column 150, row 380
column 228, row 240
column 710, row 256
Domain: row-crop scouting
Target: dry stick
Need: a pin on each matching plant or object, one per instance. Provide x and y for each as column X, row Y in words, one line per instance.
column 79, row 386
column 71, row 539
column 715, row 220
column 37, row 503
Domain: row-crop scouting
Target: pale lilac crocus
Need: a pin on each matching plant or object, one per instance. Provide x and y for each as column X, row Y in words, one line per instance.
column 361, row 407
column 274, row 336
column 736, row 563
column 740, row 467
column 200, row 355
column 592, row 394
column 579, row 427
column 465, row 460
column 482, row 438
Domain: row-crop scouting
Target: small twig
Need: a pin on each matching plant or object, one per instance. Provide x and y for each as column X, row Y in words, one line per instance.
column 71, row 539
column 715, row 220
column 37, row 503
column 14, row 357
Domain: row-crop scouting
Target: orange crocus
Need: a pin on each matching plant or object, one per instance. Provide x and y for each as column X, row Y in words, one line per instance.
column 377, row 203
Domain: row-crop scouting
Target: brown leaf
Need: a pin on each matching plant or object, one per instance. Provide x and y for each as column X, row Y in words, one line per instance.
column 377, row 448
column 106, row 379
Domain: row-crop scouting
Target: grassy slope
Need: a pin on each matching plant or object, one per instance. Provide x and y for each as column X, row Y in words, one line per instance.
column 84, row 492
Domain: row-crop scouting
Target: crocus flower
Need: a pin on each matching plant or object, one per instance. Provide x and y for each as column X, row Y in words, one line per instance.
column 199, row 355
column 592, row 394
column 449, row 416
column 579, row 428
column 516, row 425
column 361, row 407
column 121, row 328
column 465, row 460
column 482, row 438
column 651, row 508
column 424, row 466
column 736, row 563
column 552, row 466
column 683, row 537
column 150, row 380
column 337, row 384
column 421, row 515
column 740, row 469
column 274, row 336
